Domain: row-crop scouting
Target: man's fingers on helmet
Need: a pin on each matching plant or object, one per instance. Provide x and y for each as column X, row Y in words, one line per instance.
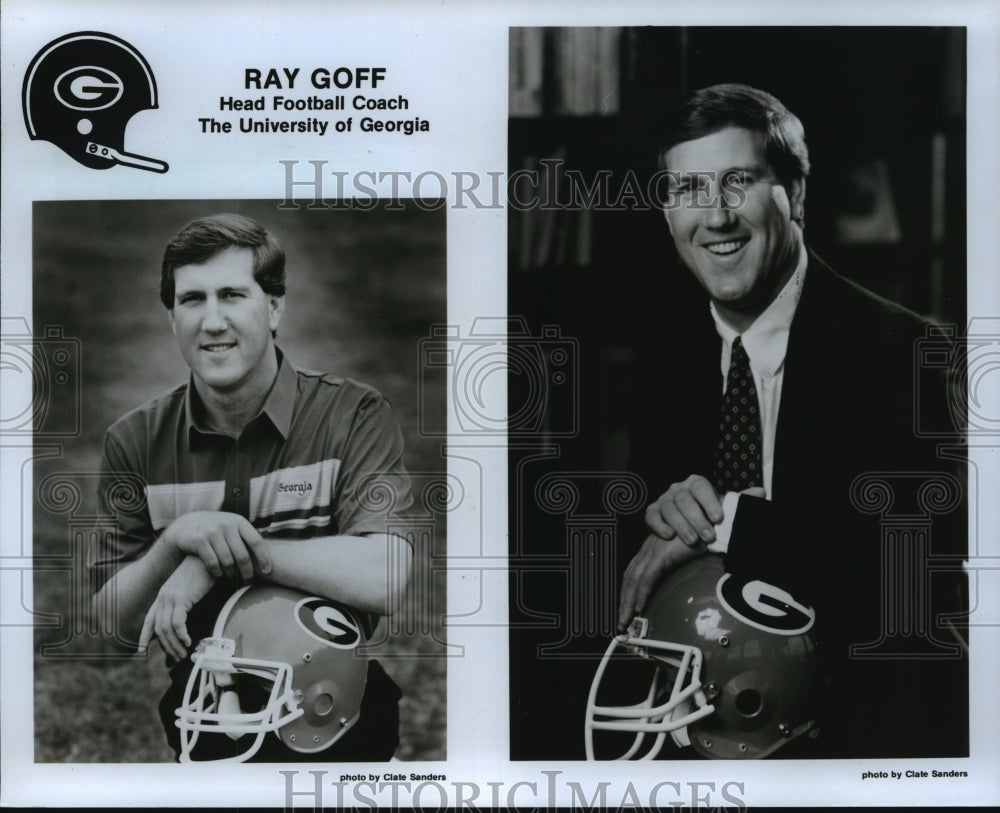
column 640, row 599
column 626, row 612
column 704, row 492
column 655, row 523
column 681, row 526
column 626, row 604
column 694, row 513
column 633, row 572
column 624, row 607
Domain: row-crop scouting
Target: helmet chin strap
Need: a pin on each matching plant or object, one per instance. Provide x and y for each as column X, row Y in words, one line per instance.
column 125, row 158
column 229, row 700
column 680, row 736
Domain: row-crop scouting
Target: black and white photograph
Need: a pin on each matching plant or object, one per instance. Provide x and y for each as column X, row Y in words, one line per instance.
column 510, row 404
column 739, row 530
column 246, row 488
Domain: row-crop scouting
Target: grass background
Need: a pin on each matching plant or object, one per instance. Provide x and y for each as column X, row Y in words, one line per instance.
column 364, row 288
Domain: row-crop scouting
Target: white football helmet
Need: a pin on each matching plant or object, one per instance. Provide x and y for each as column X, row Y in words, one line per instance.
column 734, row 670
column 279, row 660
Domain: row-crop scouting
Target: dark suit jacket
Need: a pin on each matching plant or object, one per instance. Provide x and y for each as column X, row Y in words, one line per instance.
column 848, row 403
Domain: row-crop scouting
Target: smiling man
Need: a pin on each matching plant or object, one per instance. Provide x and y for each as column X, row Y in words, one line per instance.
column 253, row 471
column 738, row 229
column 767, row 407
column 224, row 321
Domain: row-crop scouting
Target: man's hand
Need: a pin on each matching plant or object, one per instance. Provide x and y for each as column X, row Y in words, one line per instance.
column 167, row 618
column 655, row 558
column 688, row 510
column 226, row 543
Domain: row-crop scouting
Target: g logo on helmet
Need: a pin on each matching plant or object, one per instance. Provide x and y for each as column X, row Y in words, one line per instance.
column 764, row 606
column 329, row 622
column 89, row 88
column 79, row 93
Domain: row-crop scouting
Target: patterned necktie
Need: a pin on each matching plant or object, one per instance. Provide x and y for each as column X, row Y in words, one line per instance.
column 738, row 462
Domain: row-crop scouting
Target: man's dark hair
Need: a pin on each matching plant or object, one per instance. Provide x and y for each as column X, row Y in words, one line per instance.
column 204, row 237
column 715, row 108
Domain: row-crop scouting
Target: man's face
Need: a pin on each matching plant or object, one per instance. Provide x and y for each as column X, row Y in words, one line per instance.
column 741, row 254
column 223, row 322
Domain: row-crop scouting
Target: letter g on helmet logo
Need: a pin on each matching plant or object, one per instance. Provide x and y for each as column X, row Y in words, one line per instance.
column 329, row 622
column 764, row 606
column 89, row 88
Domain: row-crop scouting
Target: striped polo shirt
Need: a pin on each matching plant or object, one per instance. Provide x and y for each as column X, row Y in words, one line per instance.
column 323, row 457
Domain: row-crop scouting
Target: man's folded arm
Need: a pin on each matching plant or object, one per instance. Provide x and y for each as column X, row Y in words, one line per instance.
column 368, row 573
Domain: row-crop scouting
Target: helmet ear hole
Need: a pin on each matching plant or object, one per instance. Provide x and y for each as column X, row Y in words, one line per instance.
column 323, row 704
column 749, row 703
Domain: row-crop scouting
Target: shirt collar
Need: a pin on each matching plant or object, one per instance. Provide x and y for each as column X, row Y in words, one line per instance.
column 766, row 340
column 278, row 406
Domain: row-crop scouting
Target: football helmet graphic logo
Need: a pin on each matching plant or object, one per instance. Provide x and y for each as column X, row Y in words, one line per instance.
column 278, row 661
column 721, row 664
column 80, row 92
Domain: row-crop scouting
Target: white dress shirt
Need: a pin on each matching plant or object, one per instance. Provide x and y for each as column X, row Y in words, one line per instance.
column 765, row 341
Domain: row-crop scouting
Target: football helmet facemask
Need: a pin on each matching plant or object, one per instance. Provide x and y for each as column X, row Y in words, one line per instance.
column 279, row 661
column 734, row 669
column 79, row 93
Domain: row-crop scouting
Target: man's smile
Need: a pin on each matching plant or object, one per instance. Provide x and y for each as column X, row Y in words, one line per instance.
column 726, row 248
column 218, row 347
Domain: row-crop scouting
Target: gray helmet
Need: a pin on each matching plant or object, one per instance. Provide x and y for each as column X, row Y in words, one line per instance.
column 734, row 669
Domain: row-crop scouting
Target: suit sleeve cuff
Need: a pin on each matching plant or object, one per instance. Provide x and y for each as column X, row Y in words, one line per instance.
column 724, row 530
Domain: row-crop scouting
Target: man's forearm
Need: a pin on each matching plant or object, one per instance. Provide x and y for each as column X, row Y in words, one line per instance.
column 123, row 600
column 368, row 573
